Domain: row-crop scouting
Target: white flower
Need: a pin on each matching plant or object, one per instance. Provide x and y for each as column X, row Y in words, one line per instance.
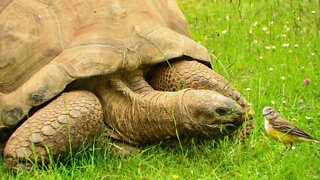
column 296, row 45
column 264, row 28
column 260, row 57
column 308, row 118
column 250, row 31
column 312, row 54
column 270, row 69
column 271, row 22
column 273, row 102
column 248, row 89
column 270, row 46
column 285, row 45
column 255, row 24
column 313, row 12
column 287, row 28
column 284, row 102
column 283, row 78
column 224, row 31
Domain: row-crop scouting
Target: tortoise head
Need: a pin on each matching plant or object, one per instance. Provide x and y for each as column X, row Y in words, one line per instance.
column 211, row 114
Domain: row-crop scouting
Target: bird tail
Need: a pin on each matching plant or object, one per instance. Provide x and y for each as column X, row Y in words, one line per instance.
column 316, row 140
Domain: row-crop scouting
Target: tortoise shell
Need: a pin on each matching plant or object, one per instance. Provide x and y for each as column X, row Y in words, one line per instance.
column 47, row 44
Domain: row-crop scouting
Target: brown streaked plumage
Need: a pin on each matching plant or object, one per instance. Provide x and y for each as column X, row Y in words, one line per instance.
column 281, row 129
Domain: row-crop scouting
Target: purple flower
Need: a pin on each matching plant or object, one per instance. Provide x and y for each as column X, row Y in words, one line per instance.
column 306, row 81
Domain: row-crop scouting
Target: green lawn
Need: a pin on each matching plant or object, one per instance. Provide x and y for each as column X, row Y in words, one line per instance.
column 266, row 49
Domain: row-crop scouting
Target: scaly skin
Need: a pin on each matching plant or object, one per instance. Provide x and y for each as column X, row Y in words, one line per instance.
column 143, row 116
column 134, row 112
column 66, row 123
column 181, row 74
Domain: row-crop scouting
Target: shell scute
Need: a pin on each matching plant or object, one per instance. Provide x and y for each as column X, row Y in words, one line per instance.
column 49, row 44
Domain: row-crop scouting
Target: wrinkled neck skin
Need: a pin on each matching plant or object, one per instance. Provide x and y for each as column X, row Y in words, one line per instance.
column 137, row 114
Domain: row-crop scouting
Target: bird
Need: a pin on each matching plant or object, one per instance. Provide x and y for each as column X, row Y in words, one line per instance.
column 282, row 130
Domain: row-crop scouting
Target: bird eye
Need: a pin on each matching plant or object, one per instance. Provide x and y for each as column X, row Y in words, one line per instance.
column 221, row 111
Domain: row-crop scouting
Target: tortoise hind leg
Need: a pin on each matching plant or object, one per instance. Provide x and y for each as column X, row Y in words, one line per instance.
column 62, row 126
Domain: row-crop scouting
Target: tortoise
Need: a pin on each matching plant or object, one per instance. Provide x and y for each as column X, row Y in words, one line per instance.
column 71, row 68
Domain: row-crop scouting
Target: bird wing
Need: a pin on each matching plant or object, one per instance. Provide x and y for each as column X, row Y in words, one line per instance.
column 284, row 126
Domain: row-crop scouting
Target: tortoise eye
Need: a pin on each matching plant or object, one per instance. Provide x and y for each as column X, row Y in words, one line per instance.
column 221, row 111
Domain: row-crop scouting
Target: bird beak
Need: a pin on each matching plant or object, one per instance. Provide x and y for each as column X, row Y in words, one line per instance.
column 265, row 114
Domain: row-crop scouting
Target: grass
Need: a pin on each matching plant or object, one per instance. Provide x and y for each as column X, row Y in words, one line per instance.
column 266, row 49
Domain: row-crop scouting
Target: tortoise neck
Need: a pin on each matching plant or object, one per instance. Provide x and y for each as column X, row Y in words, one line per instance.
column 138, row 114
column 137, row 82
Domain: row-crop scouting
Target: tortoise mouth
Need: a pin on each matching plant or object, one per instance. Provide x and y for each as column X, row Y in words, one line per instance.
column 223, row 125
column 223, row 128
column 217, row 130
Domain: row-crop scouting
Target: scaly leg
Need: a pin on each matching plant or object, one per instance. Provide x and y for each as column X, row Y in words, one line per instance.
column 181, row 74
column 61, row 127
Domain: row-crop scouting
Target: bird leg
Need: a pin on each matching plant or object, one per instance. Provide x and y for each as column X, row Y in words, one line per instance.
column 285, row 149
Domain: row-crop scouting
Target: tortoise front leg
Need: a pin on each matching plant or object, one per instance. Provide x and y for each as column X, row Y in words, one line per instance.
column 181, row 74
column 61, row 127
